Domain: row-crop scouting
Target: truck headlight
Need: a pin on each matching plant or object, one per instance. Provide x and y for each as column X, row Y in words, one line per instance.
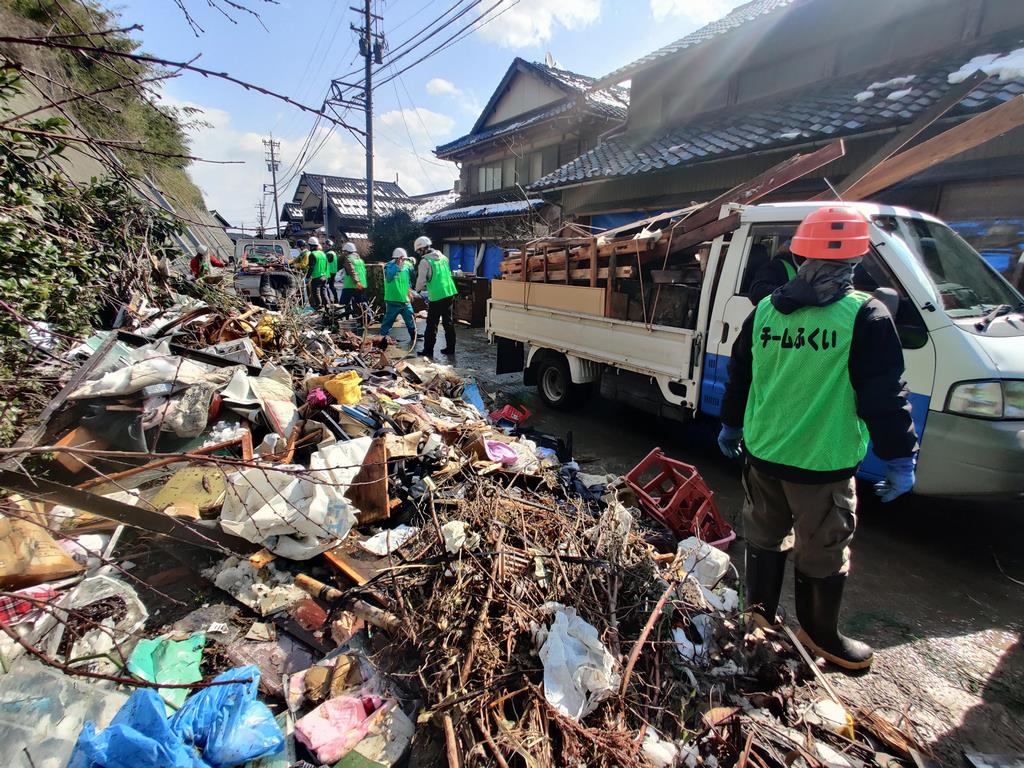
column 987, row 399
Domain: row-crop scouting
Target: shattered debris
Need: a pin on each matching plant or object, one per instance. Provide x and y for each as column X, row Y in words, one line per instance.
column 415, row 571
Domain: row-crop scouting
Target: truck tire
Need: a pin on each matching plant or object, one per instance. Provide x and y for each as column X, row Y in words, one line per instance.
column 554, row 383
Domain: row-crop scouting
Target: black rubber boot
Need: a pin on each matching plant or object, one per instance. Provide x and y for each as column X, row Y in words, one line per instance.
column 765, row 572
column 818, row 602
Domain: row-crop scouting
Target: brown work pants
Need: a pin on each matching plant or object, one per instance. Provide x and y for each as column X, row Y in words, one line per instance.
column 816, row 521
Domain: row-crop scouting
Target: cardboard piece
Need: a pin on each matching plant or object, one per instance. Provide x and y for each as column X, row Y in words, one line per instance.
column 569, row 298
column 29, row 556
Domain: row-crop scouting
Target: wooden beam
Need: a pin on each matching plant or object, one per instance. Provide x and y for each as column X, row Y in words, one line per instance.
column 609, row 288
column 138, row 517
column 958, row 139
column 954, row 96
column 592, row 250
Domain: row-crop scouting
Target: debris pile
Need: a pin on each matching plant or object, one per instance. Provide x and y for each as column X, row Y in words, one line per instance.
column 377, row 572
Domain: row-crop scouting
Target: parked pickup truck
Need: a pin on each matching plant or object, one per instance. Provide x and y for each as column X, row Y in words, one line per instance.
column 961, row 324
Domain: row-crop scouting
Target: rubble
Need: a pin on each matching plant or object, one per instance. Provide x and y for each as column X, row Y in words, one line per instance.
column 418, row 575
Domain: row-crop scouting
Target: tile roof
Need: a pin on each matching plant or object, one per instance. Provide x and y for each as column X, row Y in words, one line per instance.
column 425, row 205
column 348, row 195
column 736, row 18
column 486, row 210
column 293, row 211
column 610, row 103
column 836, row 108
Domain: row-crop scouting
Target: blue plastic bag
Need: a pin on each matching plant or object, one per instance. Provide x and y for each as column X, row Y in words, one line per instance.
column 218, row 727
column 227, row 723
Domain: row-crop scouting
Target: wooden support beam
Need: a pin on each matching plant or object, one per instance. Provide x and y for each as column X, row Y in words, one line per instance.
column 958, row 139
column 954, row 96
column 592, row 251
column 609, row 288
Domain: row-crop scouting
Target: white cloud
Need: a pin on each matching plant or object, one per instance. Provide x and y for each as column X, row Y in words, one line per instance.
column 441, row 87
column 699, row 12
column 530, row 23
column 234, row 190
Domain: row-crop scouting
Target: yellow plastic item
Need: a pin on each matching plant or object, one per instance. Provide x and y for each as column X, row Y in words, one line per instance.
column 345, row 388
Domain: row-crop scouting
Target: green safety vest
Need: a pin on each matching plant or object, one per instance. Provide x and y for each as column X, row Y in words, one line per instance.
column 398, row 289
column 441, row 285
column 320, row 268
column 332, row 263
column 359, row 266
column 790, row 269
column 802, row 409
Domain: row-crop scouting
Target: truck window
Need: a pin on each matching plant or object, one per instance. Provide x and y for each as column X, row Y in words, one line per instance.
column 766, row 242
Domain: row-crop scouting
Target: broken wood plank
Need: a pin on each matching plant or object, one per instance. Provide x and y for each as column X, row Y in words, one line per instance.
column 369, row 489
column 958, row 139
column 137, row 517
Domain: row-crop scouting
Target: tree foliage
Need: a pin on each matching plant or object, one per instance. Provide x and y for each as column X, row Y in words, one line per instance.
column 394, row 230
column 67, row 252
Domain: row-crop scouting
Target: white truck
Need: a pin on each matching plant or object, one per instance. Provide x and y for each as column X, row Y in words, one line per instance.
column 961, row 324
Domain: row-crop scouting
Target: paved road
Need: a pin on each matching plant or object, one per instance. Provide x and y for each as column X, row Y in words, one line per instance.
column 926, row 588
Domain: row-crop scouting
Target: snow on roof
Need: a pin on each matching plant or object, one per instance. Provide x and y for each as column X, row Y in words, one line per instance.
column 1008, row 66
column 509, row 208
column 433, row 204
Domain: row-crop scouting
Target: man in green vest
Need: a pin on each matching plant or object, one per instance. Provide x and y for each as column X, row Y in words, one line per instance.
column 816, row 370
column 435, row 275
column 317, row 273
column 777, row 272
column 397, row 288
column 353, row 284
column 332, row 267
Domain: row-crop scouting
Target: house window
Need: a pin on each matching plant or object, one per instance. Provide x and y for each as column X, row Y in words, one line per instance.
column 489, row 177
column 536, row 166
column 508, row 172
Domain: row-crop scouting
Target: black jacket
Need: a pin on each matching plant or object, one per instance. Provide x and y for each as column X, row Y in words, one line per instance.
column 876, row 373
column 769, row 277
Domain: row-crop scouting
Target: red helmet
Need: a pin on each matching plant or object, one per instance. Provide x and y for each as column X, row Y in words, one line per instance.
column 832, row 233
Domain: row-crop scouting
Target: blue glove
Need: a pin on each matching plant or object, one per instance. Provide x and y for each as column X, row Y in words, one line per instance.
column 899, row 479
column 729, row 441
column 424, row 296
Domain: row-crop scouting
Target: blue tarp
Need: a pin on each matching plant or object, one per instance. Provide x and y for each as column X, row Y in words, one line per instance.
column 462, row 256
column 490, row 268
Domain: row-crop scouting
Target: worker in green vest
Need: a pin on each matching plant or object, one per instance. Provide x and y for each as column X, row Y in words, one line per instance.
column 332, row 267
column 775, row 273
column 397, row 288
column 316, row 274
column 815, row 372
column 435, row 275
column 353, row 285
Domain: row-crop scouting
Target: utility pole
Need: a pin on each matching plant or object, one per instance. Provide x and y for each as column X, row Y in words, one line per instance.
column 371, row 47
column 272, row 165
column 260, row 211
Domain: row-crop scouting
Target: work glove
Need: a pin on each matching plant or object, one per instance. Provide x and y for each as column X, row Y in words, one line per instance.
column 899, row 479
column 423, row 295
column 729, row 441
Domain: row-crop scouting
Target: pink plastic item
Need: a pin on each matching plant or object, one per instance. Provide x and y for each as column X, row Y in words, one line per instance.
column 499, row 451
column 336, row 726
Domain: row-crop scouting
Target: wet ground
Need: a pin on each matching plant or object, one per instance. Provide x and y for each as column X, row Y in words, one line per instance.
column 937, row 585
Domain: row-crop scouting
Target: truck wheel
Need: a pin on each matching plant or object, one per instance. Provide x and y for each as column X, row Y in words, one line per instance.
column 554, row 383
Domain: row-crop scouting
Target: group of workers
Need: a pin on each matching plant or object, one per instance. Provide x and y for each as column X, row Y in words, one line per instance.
column 816, row 372
column 434, row 282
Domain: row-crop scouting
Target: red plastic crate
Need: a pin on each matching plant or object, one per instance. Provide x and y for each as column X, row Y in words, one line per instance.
column 679, row 499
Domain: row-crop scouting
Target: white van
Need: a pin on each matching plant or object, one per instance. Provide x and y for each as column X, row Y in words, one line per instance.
column 961, row 324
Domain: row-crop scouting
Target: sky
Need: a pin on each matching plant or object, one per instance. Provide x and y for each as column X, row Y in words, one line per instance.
column 306, row 43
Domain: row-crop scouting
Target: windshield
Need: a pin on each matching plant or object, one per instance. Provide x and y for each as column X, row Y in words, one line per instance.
column 263, row 252
column 966, row 285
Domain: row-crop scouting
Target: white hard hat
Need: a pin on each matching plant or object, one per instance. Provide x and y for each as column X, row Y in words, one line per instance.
column 399, row 253
column 349, row 247
column 422, row 242
column 314, row 242
column 202, row 250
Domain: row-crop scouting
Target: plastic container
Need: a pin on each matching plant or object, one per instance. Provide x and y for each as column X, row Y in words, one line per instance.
column 677, row 497
column 345, row 388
